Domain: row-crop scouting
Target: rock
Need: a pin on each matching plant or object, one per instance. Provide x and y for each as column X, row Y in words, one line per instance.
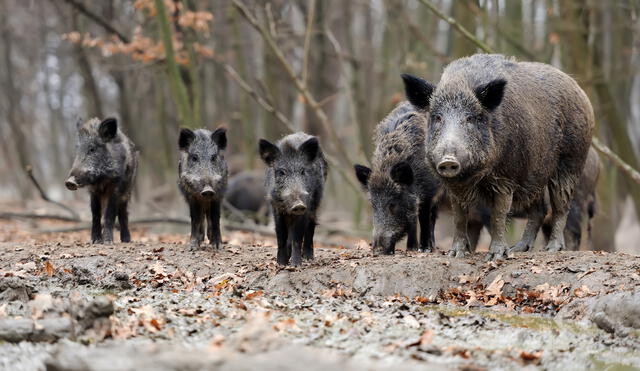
column 15, row 288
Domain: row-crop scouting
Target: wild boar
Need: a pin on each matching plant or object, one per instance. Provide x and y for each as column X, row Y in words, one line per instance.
column 106, row 162
column 501, row 132
column 202, row 179
column 294, row 181
column 400, row 185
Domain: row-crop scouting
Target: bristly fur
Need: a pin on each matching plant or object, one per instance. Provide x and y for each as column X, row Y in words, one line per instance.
column 107, row 166
column 294, row 181
column 512, row 129
column 202, row 179
column 399, row 138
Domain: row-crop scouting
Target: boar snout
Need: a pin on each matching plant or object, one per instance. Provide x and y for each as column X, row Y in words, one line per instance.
column 207, row 192
column 298, row 208
column 383, row 245
column 71, row 183
column 448, row 167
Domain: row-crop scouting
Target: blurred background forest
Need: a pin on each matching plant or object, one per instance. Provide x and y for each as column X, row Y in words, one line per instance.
column 266, row 68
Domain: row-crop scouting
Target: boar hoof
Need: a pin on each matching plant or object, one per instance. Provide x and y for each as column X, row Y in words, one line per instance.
column 194, row 245
column 426, row 248
column 459, row 250
column 296, row 262
column 521, row 246
column 554, row 246
column 497, row 251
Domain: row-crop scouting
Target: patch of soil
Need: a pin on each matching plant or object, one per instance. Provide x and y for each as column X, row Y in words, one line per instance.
column 172, row 308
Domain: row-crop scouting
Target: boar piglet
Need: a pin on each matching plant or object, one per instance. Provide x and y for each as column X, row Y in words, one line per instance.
column 503, row 132
column 400, row 185
column 246, row 193
column 106, row 162
column 294, row 182
column 202, row 179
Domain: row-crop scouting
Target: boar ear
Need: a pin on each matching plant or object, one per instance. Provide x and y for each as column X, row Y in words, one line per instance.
column 186, row 138
column 418, row 91
column 362, row 173
column 108, row 128
column 79, row 123
column 310, row 148
column 490, row 94
column 401, row 173
column 219, row 137
column 268, row 151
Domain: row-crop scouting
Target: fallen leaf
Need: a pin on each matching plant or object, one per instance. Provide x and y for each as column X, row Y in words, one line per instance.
column 48, row 267
column 530, row 357
column 495, row 287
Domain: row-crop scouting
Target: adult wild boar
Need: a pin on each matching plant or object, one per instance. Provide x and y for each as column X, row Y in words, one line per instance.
column 202, row 179
column 106, row 162
column 400, row 185
column 294, row 180
column 501, row 132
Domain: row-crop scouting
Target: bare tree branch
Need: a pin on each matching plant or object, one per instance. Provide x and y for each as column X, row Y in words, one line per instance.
column 266, row 104
column 613, row 157
column 96, row 18
column 29, row 170
column 307, row 40
column 300, row 86
column 457, row 26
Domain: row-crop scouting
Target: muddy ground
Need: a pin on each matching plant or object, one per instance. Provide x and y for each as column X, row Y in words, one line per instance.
column 154, row 304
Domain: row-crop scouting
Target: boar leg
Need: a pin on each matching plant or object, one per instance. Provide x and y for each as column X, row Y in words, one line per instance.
column 412, row 235
column 474, row 228
column 534, row 222
column 213, row 225
column 96, row 218
column 460, row 245
column 297, row 230
column 501, row 206
column 123, row 219
column 197, row 224
column 426, row 217
column 281, row 235
column 307, row 247
column 110, row 218
column 560, row 191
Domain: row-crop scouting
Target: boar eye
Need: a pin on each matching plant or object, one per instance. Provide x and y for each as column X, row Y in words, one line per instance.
column 92, row 149
column 279, row 172
column 436, row 118
column 213, row 158
column 392, row 208
column 193, row 158
column 302, row 172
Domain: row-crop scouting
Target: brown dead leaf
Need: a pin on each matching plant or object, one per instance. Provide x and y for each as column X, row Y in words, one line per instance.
column 536, row 269
column 589, row 271
column 495, row 287
column 530, row 357
column 48, row 268
column 253, row 294
column 463, row 278
column 583, row 291
column 362, row 245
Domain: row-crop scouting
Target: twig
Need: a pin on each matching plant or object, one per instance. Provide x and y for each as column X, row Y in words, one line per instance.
column 96, row 18
column 457, row 26
column 10, row 215
column 613, row 157
column 29, row 170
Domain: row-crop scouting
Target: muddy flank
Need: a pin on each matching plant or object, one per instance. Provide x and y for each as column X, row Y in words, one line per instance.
column 157, row 305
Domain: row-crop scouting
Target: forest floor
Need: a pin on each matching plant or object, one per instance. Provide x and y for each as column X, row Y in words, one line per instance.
column 154, row 304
